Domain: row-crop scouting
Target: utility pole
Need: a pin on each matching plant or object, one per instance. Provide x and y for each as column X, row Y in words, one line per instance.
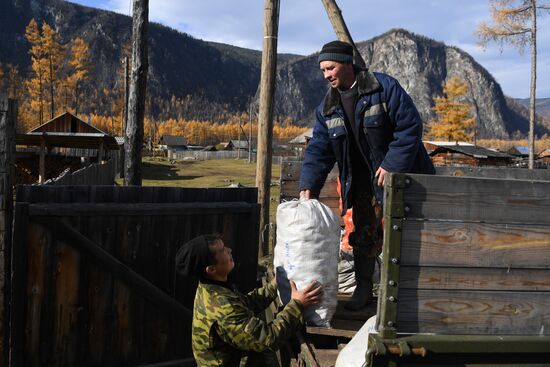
column 342, row 33
column 250, row 132
column 239, row 141
column 137, row 92
column 265, row 120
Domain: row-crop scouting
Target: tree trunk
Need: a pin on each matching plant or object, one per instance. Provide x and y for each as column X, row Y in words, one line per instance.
column 52, row 105
column 532, row 111
column 136, row 100
column 337, row 20
column 265, row 120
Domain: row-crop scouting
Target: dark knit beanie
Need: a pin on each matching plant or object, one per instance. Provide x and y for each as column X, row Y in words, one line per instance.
column 194, row 256
column 336, row 51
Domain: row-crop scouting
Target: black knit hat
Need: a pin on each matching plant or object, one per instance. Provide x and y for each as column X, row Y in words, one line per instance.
column 194, row 256
column 336, row 51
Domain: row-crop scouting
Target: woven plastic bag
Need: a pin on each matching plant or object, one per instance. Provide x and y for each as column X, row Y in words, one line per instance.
column 308, row 241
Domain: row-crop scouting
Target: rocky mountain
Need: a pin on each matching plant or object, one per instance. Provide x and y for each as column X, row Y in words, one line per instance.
column 227, row 76
column 542, row 105
column 422, row 66
column 180, row 65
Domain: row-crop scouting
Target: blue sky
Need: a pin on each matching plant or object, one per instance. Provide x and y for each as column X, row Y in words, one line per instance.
column 304, row 27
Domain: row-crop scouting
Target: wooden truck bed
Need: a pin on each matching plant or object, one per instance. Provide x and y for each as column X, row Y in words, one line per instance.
column 466, row 273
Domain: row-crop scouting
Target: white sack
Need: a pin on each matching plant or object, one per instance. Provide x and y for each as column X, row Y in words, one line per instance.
column 308, row 241
column 354, row 354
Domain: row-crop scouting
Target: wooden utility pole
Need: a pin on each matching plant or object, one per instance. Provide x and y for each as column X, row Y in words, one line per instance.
column 532, row 96
column 342, row 33
column 133, row 140
column 265, row 120
column 250, row 132
column 8, row 116
column 126, row 94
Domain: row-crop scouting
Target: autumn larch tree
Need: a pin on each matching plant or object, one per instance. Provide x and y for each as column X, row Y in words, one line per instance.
column 35, row 83
column 54, row 53
column 515, row 23
column 80, row 65
column 454, row 117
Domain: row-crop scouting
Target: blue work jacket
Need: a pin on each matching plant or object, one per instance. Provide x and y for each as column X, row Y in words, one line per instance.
column 392, row 139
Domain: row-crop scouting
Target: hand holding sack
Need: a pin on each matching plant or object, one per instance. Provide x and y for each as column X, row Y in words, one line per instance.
column 308, row 239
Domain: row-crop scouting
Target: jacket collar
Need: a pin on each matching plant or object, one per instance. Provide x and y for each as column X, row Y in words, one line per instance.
column 366, row 83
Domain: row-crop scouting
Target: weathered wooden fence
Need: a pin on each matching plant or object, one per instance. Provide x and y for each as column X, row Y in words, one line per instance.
column 93, row 270
column 221, row 154
column 8, row 114
column 93, row 174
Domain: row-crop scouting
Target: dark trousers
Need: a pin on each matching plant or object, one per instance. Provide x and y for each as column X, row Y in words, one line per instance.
column 367, row 238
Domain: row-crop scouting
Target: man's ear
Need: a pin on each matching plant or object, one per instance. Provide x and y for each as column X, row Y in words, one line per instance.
column 210, row 269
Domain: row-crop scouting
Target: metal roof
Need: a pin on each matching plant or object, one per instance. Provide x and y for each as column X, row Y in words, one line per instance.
column 172, row 140
column 519, row 149
column 241, row 144
column 473, row 151
column 302, row 138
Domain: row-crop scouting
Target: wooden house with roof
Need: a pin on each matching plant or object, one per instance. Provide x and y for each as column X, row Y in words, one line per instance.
column 468, row 155
column 520, row 151
column 236, row 145
column 63, row 141
column 544, row 157
column 173, row 143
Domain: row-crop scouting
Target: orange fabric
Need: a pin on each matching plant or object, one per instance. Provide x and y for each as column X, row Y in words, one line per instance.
column 348, row 223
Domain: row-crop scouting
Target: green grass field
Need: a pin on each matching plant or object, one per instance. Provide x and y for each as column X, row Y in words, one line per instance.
column 159, row 171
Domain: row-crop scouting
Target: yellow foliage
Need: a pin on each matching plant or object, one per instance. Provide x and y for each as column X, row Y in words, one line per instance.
column 454, row 121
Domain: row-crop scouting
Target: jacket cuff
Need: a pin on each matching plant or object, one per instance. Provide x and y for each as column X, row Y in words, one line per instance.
column 296, row 309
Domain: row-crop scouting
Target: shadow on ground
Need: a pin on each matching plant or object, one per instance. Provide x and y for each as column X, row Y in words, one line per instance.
column 157, row 171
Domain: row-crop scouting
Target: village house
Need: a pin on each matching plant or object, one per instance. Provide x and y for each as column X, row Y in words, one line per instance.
column 235, row 145
column 466, row 155
column 172, row 143
column 63, row 142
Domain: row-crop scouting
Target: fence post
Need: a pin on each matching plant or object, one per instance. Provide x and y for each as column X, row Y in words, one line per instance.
column 8, row 116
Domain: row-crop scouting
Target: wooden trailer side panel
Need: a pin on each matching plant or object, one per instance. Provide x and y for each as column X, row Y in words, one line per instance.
column 470, row 256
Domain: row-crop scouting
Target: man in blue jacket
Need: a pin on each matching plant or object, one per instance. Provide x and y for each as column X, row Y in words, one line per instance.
column 369, row 126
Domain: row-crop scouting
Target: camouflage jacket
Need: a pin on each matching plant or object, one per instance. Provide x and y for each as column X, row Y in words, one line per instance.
column 227, row 331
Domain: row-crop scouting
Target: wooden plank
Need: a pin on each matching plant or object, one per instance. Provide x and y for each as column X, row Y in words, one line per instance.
column 474, row 312
column 187, row 362
column 495, row 172
column 36, row 264
column 412, row 277
column 292, row 188
column 436, row 243
column 137, row 209
column 341, row 328
column 290, row 178
column 478, row 199
column 18, row 285
column 119, row 269
column 35, row 194
column 66, row 303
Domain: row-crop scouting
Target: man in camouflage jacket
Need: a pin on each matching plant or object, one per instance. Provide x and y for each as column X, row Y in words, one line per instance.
column 226, row 328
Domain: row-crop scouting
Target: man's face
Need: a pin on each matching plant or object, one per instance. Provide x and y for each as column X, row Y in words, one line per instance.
column 339, row 75
column 224, row 259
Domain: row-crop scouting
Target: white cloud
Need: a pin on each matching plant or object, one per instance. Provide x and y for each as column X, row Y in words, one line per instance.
column 304, row 27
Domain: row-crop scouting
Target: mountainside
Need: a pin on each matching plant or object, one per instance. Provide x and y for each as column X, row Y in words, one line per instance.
column 180, row 65
column 542, row 105
column 422, row 66
column 211, row 74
